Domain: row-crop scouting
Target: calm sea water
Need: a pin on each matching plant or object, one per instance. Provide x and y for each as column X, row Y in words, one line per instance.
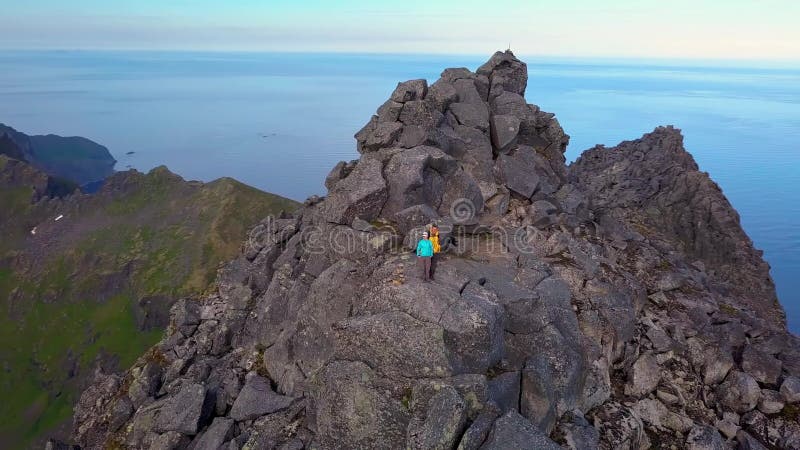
column 281, row 121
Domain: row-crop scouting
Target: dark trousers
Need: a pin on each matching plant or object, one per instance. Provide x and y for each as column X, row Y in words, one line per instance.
column 425, row 266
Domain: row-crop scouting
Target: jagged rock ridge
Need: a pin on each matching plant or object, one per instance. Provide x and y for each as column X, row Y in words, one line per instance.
column 555, row 319
column 654, row 184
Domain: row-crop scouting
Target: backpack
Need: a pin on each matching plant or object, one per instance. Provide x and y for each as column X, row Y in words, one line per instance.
column 434, row 238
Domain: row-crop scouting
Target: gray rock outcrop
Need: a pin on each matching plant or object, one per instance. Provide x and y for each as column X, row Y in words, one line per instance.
column 589, row 306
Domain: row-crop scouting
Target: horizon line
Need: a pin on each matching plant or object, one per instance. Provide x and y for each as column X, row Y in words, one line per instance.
column 702, row 61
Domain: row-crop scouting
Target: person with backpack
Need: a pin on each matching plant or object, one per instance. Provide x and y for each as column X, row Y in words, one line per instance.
column 437, row 248
column 424, row 256
column 434, row 238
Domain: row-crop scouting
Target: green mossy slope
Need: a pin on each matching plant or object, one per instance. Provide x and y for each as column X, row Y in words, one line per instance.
column 70, row 293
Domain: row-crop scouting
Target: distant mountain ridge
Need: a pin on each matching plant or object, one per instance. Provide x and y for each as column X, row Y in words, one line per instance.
column 76, row 159
column 87, row 280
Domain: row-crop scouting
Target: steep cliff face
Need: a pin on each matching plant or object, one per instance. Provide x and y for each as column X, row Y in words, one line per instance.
column 10, row 148
column 76, row 159
column 557, row 316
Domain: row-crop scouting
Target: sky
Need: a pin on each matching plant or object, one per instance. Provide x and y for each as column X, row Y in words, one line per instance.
column 691, row 29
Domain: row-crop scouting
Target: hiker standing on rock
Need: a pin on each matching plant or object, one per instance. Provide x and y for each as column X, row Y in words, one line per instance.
column 424, row 255
column 434, row 238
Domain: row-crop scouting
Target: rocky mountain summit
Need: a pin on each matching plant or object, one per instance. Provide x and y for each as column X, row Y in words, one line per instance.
column 615, row 303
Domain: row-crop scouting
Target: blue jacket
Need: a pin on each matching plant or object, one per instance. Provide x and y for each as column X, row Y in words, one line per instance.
column 425, row 248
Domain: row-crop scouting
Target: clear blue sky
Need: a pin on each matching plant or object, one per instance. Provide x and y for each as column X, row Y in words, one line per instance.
column 727, row 29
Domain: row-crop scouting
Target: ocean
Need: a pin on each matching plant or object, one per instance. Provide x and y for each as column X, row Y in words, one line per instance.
column 281, row 121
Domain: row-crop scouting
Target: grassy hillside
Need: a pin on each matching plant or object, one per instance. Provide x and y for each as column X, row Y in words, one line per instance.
column 71, row 292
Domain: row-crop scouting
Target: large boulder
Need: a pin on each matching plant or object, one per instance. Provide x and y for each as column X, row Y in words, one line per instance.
column 442, row 94
column 357, row 408
column 654, row 412
column 790, row 389
column 410, row 90
column 427, row 176
column 771, row 402
column 514, row 105
column 504, row 391
column 473, row 333
column 257, row 399
column 514, row 431
column 377, row 135
column 517, row 171
column 471, row 115
column 471, row 146
column 416, row 176
column 362, row 194
column 717, row 362
column 184, row 413
column 477, row 432
column 395, row 342
column 748, row 442
column 217, row 434
column 420, row 113
column 468, row 91
column 544, row 337
column 389, row 111
column 643, row 376
column 504, row 130
column 507, row 72
column 481, row 82
column 739, row 392
column 444, row 422
column 704, row 438
column 764, row 367
column 414, row 216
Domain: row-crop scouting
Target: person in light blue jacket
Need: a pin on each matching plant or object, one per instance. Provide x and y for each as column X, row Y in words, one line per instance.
column 424, row 255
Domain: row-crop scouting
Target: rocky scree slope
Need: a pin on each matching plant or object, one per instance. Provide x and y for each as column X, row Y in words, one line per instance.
column 561, row 317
